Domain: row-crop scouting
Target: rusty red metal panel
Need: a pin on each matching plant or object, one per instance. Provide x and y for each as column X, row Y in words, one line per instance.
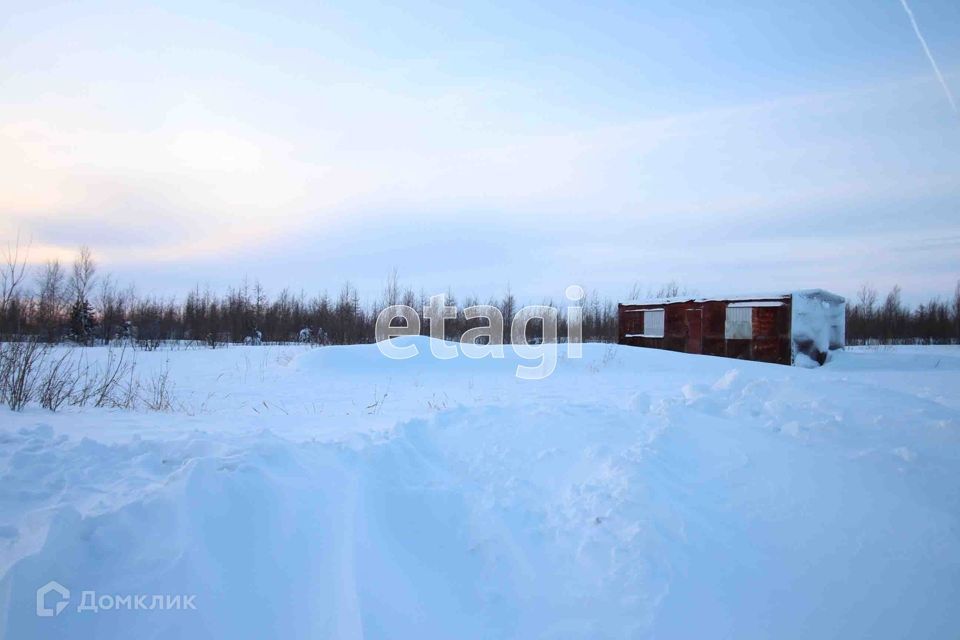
column 714, row 316
column 698, row 327
column 675, row 322
column 694, row 320
column 765, row 349
column 631, row 322
column 714, row 346
column 739, row 349
column 765, row 321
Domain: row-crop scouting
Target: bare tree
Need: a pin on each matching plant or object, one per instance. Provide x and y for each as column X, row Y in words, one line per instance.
column 51, row 299
column 84, row 269
column 108, row 301
column 508, row 307
column 867, row 298
column 260, row 303
column 956, row 310
column 391, row 290
column 14, row 269
column 668, row 290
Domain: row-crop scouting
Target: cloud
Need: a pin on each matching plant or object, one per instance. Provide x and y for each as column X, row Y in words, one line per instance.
column 330, row 198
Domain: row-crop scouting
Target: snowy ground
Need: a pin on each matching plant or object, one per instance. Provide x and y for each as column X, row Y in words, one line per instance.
column 304, row 493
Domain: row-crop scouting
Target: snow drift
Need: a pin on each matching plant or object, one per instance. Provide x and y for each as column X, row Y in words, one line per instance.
column 636, row 493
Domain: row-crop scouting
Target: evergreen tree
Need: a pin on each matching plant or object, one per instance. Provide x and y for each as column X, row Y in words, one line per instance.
column 82, row 322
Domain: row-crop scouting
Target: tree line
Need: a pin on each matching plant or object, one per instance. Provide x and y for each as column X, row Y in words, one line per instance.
column 79, row 303
column 871, row 320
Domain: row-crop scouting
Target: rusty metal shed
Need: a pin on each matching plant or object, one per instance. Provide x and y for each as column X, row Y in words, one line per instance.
column 787, row 328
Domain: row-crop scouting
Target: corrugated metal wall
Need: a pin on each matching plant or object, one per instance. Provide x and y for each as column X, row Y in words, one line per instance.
column 714, row 327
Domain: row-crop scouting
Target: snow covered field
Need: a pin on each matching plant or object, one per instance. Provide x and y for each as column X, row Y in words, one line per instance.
column 332, row 493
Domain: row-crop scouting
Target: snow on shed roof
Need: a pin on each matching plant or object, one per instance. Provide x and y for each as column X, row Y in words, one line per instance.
column 817, row 293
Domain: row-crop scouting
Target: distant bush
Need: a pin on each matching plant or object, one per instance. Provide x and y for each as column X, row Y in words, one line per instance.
column 33, row 371
column 20, row 375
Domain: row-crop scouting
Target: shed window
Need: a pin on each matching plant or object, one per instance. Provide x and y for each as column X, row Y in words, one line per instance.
column 739, row 325
column 653, row 323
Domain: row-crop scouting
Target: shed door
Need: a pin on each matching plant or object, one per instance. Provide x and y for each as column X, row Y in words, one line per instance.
column 694, row 331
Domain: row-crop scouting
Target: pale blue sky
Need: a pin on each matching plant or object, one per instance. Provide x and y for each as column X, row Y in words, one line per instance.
column 730, row 146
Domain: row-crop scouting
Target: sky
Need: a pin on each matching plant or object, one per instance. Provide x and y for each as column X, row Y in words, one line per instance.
column 728, row 146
